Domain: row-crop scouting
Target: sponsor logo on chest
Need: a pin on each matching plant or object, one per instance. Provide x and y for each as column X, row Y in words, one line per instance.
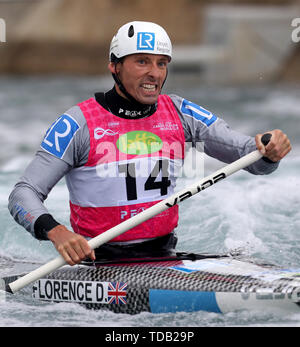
column 139, row 142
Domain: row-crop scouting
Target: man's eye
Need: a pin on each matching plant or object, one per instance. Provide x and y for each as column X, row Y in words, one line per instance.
column 162, row 64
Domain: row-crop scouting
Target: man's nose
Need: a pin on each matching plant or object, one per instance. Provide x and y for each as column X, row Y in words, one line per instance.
column 154, row 71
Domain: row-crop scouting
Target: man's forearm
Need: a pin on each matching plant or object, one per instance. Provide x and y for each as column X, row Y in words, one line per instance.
column 25, row 206
column 26, row 201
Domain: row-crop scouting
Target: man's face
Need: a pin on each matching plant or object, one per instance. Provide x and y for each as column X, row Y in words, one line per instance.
column 142, row 75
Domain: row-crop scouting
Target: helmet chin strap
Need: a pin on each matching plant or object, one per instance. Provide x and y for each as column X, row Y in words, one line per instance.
column 129, row 96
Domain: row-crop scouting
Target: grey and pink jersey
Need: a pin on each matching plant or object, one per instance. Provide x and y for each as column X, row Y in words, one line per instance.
column 70, row 149
column 131, row 166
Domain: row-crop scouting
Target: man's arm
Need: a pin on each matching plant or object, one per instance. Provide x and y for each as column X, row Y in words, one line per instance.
column 225, row 144
column 52, row 162
column 27, row 198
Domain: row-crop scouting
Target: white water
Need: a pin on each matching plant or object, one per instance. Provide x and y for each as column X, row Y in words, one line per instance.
column 257, row 214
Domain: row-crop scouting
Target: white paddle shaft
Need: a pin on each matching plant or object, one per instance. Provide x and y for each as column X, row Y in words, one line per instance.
column 163, row 205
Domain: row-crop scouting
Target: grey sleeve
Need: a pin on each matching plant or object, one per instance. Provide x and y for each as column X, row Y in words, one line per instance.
column 26, row 201
column 219, row 140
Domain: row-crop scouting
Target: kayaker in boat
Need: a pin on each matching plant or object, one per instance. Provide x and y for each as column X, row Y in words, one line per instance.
column 120, row 152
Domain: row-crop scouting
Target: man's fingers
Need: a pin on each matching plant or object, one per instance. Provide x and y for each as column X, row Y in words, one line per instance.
column 73, row 247
column 259, row 144
column 77, row 245
column 68, row 254
column 79, row 250
column 278, row 147
column 87, row 251
column 74, row 253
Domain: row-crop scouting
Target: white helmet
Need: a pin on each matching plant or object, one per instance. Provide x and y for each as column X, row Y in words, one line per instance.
column 140, row 37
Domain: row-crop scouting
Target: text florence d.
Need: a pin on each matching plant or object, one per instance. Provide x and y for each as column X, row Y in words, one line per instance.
column 80, row 291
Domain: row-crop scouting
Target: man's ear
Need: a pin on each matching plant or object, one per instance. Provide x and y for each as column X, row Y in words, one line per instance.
column 112, row 67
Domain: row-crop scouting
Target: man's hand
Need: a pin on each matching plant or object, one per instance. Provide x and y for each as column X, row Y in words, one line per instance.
column 278, row 147
column 73, row 247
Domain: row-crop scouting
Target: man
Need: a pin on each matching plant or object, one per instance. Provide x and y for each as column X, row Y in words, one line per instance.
column 120, row 151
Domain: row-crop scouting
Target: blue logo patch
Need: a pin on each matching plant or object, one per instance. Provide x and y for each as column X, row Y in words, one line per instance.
column 145, row 41
column 190, row 109
column 59, row 136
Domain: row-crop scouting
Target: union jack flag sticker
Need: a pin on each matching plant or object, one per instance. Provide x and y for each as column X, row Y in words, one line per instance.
column 117, row 292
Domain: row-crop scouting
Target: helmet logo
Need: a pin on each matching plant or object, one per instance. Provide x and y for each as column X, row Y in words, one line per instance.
column 145, row 41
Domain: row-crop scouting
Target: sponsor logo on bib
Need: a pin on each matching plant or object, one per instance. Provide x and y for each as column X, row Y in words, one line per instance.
column 139, row 142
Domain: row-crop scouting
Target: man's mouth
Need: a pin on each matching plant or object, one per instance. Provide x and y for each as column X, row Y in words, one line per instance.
column 149, row 87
